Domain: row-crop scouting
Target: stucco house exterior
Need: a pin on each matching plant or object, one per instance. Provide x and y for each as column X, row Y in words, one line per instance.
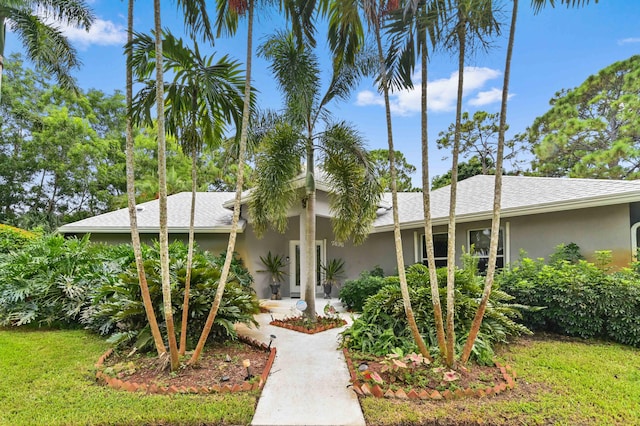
column 537, row 214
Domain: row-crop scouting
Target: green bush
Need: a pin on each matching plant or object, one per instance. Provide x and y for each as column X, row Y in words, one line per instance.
column 12, row 239
column 118, row 310
column 579, row 299
column 383, row 325
column 48, row 282
column 354, row 293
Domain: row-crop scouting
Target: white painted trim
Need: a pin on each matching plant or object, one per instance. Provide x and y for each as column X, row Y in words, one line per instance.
column 148, row 230
column 416, row 247
column 507, row 243
column 634, row 240
column 292, row 265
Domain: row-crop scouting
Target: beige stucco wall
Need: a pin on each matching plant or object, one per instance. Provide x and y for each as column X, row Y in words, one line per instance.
column 598, row 228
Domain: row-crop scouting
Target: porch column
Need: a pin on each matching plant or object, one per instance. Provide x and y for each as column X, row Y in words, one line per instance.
column 303, row 254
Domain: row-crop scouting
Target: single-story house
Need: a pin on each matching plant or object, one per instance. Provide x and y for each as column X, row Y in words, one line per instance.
column 538, row 213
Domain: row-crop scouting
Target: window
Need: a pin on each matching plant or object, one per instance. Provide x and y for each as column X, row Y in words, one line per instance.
column 635, row 240
column 480, row 239
column 439, row 249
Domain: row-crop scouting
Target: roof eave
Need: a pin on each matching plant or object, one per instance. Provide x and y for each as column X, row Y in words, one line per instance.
column 585, row 203
column 149, row 230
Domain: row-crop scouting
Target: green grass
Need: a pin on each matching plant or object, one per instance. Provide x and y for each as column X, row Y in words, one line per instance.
column 560, row 381
column 46, row 377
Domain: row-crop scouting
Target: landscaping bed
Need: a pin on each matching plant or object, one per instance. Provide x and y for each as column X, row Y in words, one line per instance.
column 223, row 367
column 304, row 325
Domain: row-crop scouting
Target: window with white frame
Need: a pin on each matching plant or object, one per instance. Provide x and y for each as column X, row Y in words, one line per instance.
column 481, row 239
column 439, row 249
column 635, row 240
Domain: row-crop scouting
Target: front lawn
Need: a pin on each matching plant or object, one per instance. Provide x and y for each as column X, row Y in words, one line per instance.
column 47, row 378
column 560, row 381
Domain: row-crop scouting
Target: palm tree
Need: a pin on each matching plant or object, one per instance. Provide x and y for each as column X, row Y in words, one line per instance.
column 44, row 43
column 131, row 199
column 228, row 14
column 410, row 29
column 355, row 192
column 201, row 99
column 162, row 189
column 495, row 221
column 345, row 19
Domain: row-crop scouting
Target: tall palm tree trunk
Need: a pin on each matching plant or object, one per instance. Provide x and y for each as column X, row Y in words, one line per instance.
column 3, row 32
column 162, row 184
column 131, row 201
column 497, row 196
column 310, row 235
column 237, row 202
column 426, row 205
column 404, row 288
column 451, row 244
column 187, row 280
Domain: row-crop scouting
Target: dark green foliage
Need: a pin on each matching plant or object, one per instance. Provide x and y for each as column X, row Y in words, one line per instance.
column 580, row 299
column 118, row 310
column 354, row 293
column 383, row 325
column 48, row 282
column 566, row 252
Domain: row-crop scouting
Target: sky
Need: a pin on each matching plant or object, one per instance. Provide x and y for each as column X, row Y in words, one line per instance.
column 555, row 49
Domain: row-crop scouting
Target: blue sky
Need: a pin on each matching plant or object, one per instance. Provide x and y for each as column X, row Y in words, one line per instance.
column 556, row 49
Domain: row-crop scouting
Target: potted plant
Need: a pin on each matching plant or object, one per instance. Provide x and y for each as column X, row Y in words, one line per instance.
column 274, row 265
column 333, row 271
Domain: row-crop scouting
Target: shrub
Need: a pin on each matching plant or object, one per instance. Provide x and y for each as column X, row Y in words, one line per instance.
column 48, row 282
column 118, row 310
column 383, row 326
column 579, row 299
column 354, row 293
column 566, row 252
column 12, row 238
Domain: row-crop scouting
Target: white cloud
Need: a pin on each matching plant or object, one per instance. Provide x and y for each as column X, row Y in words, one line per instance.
column 442, row 92
column 102, row 33
column 367, row 97
column 487, row 97
column 629, row 40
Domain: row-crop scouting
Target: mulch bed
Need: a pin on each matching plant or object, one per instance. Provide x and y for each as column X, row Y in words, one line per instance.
column 220, row 368
column 375, row 376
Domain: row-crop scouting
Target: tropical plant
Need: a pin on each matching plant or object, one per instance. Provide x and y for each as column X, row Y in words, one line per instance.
column 117, row 310
column 43, row 41
column 333, row 270
column 274, row 265
column 48, row 282
column 383, row 325
column 355, row 193
column 12, row 238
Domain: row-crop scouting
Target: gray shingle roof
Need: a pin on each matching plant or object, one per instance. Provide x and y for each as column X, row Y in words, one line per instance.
column 521, row 195
column 210, row 216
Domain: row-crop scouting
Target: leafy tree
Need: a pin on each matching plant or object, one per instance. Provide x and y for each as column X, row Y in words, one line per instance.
column 592, row 131
column 62, row 152
column 466, row 169
column 44, row 42
column 479, row 139
column 404, row 170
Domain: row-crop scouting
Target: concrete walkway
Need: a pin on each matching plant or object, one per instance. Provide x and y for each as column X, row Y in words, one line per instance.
column 309, row 380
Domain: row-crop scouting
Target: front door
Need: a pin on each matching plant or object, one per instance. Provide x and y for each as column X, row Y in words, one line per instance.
column 294, row 266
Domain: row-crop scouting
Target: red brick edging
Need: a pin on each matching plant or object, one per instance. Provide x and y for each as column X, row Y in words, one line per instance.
column 284, row 324
column 364, row 389
column 116, row 383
